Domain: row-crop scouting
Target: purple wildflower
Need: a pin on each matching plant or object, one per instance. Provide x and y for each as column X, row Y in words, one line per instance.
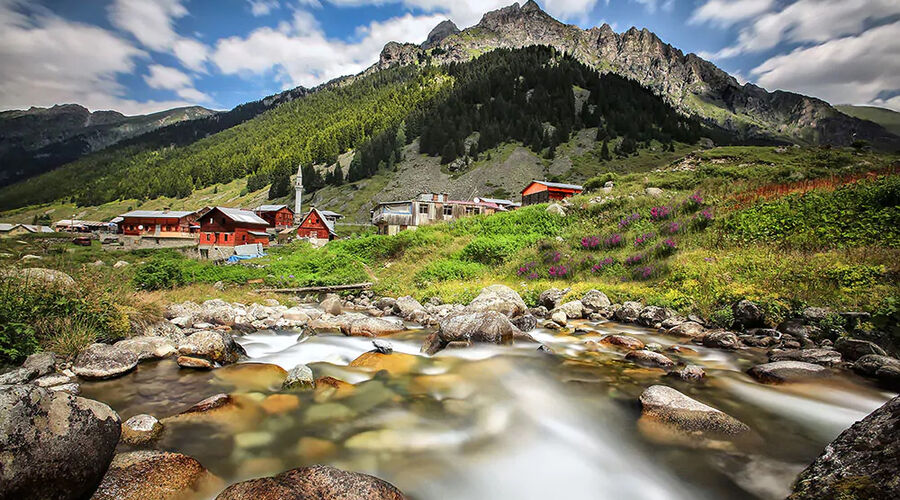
column 634, row 260
column 628, row 220
column 660, row 213
column 613, row 241
column 560, row 271
column 590, row 242
column 673, row 228
column 603, row 264
column 643, row 239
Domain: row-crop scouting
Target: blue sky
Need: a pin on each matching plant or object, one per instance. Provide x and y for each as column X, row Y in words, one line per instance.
column 139, row 56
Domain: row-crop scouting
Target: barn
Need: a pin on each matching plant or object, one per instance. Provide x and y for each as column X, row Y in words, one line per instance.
column 230, row 227
column 545, row 192
column 318, row 225
column 278, row 216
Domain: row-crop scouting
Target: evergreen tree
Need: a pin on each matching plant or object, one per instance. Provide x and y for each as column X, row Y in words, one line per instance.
column 281, row 185
column 604, row 151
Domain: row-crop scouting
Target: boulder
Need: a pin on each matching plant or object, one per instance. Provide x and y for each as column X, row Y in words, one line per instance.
column 331, row 304
column 690, row 373
column 120, row 264
column 748, row 315
column 664, row 405
column 653, row 316
column 141, row 429
column 300, row 377
column 21, row 375
column 556, row 209
column 396, row 363
column 722, row 339
column 552, row 297
column 217, row 347
column 824, row 357
column 383, row 346
column 408, row 307
column 148, row 347
column 317, row 482
column 629, row 312
column 625, row 341
column 53, row 445
column 41, row 362
column 103, row 361
column 373, row 327
column 488, row 327
column 883, row 368
column 853, row 349
column 650, row 358
column 499, row 298
column 155, row 475
column 385, row 303
column 862, row 463
column 525, row 323
column 787, row 371
column 815, row 314
column 41, row 276
column 572, row 309
column 216, row 312
column 653, row 192
column 560, row 318
column 595, row 300
column 195, row 363
column 687, row 329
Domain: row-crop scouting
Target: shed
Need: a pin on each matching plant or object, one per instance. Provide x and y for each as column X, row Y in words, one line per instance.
column 544, row 192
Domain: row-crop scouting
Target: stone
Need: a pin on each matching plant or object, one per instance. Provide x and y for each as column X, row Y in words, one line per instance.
column 148, row 348
column 18, row 376
column 748, row 315
column 276, row 404
column 787, row 371
column 385, row 303
column 653, row 192
column 556, row 209
column 195, row 363
column 219, row 348
column 120, row 264
column 300, row 377
column 52, row 380
column 331, row 304
column 883, row 368
column 560, row 318
column 815, row 314
column 104, row 361
column 373, row 327
column 73, row 389
column 629, row 312
column 721, row 339
column 141, row 429
column 315, row 449
column 331, row 388
column 853, row 349
column 525, row 323
column 595, row 300
column 690, row 373
column 625, row 341
column 42, row 362
column 383, row 346
column 155, row 475
column 573, row 309
column 664, row 405
column 488, row 327
column 552, row 297
column 395, row 363
column 499, row 298
column 862, row 463
column 824, row 357
column 53, row 445
column 650, row 358
column 41, row 276
column 687, row 329
column 653, row 316
column 316, row 482
column 327, row 412
column 408, row 307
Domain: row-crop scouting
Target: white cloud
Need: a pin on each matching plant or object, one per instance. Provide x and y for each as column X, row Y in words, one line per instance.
column 193, row 95
column 301, row 54
column 261, row 8
column 728, row 12
column 854, row 69
column 152, row 24
column 890, row 103
column 164, row 77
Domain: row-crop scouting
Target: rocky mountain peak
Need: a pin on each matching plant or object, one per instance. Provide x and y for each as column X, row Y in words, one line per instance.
column 515, row 15
column 439, row 33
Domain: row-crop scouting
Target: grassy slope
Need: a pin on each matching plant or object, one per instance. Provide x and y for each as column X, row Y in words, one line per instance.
column 887, row 118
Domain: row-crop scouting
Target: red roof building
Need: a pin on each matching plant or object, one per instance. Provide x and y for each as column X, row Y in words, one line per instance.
column 278, row 216
column 318, row 225
column 230, row 227
column 545, row 192
column 158, row 223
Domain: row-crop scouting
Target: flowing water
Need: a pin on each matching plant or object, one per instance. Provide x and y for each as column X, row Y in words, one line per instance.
column 493, row 421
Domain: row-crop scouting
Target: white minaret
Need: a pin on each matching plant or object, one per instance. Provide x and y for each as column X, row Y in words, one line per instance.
column 298, row 189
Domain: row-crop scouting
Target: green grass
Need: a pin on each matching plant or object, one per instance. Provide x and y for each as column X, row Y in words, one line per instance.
column 887, row 118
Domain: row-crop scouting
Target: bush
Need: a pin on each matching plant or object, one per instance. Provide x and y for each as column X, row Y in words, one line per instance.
column 448, row 270
column 723, row 317
column 157, row 274
column 17, row 338
column 494, row 250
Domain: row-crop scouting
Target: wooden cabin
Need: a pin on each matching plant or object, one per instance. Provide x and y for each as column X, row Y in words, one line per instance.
column 160, row 223
column 230, row 227
column 278, row 216
column 317, row 226
column 545, row 192
column 395, row 216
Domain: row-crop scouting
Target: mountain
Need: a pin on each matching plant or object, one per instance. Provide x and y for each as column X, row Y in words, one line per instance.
column 689, row 83
column 887, row 118
column 39, row 139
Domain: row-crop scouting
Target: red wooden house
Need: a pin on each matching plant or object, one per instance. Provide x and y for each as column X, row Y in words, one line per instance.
column 544, row 192
column 158, row 223
column 318, row 225
column 278, row 216
column 229, row 227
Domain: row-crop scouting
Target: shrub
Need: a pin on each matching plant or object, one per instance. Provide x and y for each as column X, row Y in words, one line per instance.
column 449, row 269
column 703, row 219
column 723, row 317
column 673, row 227
column 157, row 274
column 17, row 338
column 528, row 270
column 493, row 250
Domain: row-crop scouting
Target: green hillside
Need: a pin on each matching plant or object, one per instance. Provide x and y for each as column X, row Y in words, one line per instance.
column 887, row 118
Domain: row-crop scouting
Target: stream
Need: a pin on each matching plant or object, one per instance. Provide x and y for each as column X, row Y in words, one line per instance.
column 493, row 421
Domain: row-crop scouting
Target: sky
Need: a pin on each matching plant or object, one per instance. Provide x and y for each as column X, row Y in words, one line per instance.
column 141, row 56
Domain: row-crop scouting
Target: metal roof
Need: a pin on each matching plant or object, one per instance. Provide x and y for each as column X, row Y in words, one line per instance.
column 329, row 224
column 4, row 226
column 329, row 213
column 239, row 215
column 559, row 185
column 495, row 201
column 258, row 233
column 117, row 220
column 269, row 208
column 158, row 214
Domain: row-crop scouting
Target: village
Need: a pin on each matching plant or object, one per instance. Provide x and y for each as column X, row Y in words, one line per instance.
column 235, row 234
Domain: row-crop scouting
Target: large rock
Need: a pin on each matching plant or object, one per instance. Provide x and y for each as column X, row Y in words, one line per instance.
column 320, row 482
column 552, row 297
column 862, row 463
column 489, row 327
column 572, row 309
column 373, row 327
column 408, row 307
column 721, row 339
column 41, row 276
column 216, row 312
column 499, row 298
column 748, row 315
column 41, row 362
column 670, row 408
column 787, row 371
column 629, row 312
column 625, row 341
column 155, row 475
column 53, row 445
column 103, row 361
column 148, row 347
column 217, row 347
column 853, row 349
column 650, row 358
column 141, row 429
column 331, row 304
column 653, row 316
column 556, row 209
column 595, row 300
column 687, row 329
column 824, row 357
column 883, row 368
column 300, row 377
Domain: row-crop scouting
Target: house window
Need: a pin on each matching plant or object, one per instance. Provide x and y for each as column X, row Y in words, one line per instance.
column 423, row 208
column 226, row 237
column 448, row 210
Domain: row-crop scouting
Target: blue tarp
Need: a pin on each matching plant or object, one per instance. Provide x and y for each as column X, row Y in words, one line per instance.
column 234, row 259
